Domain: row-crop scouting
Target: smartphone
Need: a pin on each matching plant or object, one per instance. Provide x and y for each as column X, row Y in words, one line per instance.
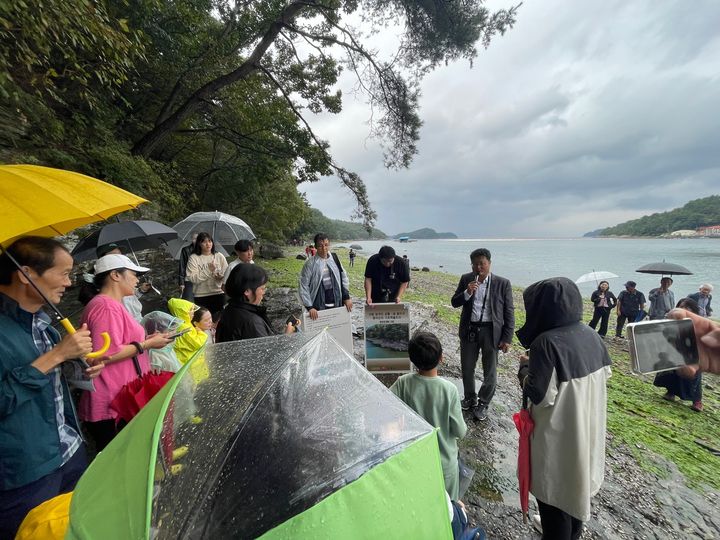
column 182, row 333
column 292, row 320
column 662, row 345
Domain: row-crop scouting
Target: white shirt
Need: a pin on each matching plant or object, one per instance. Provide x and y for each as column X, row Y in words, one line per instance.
column 482, row 294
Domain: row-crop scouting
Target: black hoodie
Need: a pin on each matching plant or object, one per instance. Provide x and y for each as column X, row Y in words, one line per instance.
column 241, row 320
column 553, row 310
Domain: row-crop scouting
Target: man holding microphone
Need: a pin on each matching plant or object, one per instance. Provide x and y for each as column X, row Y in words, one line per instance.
column 487, row 323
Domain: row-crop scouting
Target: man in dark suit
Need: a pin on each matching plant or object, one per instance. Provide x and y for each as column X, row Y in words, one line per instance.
column 487, row 323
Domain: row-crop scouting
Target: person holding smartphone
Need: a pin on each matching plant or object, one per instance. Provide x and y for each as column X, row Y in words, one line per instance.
column 662, row 299
column 386, row 277
column 686, row 388
column 116, row 276
column 244, row 317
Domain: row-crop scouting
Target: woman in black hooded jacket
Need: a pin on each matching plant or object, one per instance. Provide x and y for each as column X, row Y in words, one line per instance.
column 244, row 317
column 564, row 375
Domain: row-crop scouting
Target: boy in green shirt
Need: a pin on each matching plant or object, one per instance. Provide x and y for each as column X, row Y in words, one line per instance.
column 436, row 400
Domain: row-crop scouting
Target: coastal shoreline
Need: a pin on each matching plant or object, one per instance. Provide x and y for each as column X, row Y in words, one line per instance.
column 650, row 444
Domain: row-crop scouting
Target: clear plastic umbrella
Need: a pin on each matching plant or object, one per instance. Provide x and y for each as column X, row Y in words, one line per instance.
column 224, row 228
column 595, row 276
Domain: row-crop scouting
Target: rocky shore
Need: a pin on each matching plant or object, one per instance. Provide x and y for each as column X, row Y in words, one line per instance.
column 647, row 498
column 646, row 494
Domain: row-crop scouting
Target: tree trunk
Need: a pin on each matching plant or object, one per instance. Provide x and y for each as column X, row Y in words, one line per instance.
column 147, row 145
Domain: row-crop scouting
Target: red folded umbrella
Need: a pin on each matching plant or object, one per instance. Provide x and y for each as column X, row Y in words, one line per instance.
column 525, row 425
column 137, row 393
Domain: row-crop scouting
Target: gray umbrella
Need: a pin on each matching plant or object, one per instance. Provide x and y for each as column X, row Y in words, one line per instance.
column 224, row 228
column 174, row 248
column 130, row 236
column 665, row 269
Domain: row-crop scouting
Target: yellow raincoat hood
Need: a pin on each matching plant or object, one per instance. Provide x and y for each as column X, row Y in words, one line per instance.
column 188, row 344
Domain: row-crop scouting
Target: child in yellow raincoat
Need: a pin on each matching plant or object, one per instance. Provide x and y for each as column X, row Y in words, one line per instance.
column 199, row 321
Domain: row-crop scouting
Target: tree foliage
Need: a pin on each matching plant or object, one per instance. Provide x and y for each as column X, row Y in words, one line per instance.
column 336, row 229
column 696, row 213
column 199, row 104
column 65, row 51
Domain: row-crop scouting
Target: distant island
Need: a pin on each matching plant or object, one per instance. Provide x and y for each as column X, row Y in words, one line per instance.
column 425, row 234
column 688, row 219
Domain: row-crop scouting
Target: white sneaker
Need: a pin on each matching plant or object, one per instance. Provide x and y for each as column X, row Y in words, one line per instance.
column 537, row 523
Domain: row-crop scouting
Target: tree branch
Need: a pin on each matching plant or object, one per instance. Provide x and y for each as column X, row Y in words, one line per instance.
column 146, row 145
column 351, row 180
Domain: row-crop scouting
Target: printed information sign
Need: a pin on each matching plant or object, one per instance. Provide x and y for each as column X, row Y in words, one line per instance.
column 338, row 323
column 387, row 332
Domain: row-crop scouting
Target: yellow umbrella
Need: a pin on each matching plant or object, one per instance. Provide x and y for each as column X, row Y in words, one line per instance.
column 41, row 201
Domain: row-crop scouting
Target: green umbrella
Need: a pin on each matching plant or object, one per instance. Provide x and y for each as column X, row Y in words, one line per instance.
column 297, row 440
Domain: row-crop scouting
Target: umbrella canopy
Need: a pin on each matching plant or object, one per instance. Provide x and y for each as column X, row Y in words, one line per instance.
column 132, row 235
column 224, row 228
column 525, row 425
column 664, row 268
column 174, row 248
column 42, row 201
column 297, row 440
column 133, row 396
column 595, row 276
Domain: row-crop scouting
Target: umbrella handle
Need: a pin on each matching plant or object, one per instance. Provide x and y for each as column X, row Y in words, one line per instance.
column 70, row 329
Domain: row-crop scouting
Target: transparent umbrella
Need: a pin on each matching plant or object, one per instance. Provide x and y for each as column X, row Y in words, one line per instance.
column 595, row 276
column 224, row 228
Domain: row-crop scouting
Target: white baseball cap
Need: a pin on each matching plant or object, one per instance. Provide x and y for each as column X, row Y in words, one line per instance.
column 117, row 262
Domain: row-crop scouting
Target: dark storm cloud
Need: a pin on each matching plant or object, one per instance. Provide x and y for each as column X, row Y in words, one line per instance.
column 586, row 114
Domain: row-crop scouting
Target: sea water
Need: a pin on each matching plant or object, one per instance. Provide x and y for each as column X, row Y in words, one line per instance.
column 526, row 260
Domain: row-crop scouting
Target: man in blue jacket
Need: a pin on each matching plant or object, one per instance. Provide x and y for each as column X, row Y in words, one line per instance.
column 42, row 453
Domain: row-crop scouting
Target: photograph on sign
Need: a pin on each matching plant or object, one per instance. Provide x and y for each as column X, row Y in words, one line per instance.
column 337, row 321
column 387, row 332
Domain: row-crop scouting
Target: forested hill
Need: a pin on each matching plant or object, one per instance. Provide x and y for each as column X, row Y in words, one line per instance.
column 212, row 105
column 336, row 229
column 697, row 213
column 426, row 234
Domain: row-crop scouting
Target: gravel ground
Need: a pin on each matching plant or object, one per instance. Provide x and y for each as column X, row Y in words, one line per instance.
column 633, row 502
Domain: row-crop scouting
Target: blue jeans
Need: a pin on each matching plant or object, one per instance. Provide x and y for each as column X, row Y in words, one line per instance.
column 16, row 503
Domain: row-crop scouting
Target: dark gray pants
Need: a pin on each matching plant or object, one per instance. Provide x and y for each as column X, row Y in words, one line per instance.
column 469, row 352
column 188, row 291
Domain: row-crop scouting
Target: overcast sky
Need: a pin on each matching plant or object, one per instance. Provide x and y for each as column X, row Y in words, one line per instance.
column 584, row 115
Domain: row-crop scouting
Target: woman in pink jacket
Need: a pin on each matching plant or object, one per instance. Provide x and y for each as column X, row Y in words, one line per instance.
column 115, row 278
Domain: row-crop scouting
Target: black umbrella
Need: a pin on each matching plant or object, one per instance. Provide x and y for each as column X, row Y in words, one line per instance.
column 130, row 235
column 665, row 269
